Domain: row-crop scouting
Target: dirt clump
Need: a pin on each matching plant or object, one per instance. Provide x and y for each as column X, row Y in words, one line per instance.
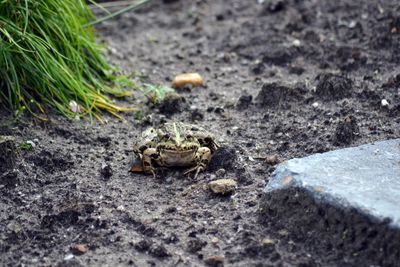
column 333, row 87
column 346, row 131
column 276, row 95
column 223, row 158
column 244, row 101
column 172, row 103
column 8, row 153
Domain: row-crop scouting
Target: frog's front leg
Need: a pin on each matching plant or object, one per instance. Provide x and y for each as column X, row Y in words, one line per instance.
column 149, row 156
column 203, row 156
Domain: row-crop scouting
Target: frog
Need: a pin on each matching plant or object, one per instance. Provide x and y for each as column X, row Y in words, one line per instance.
column 175, row 144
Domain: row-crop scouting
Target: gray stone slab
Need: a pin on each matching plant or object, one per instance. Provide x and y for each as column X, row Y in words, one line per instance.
column 366, row 178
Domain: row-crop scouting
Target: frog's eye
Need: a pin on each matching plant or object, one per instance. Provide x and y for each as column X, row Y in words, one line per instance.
column 189, row 136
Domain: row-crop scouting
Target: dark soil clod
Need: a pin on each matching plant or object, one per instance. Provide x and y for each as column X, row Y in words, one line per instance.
column 195, row 245
column 276, row 95
column 223, row 158
column 279, row 55
column 172, row 103
column 9, row 179
column 333, row 87
column 106, row 171
column 51, row 161
column 346, row 131
column 8, row 153
column 244, row 101
column 143, row 245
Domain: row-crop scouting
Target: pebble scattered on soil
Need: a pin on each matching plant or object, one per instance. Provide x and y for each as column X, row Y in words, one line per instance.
column 223, row 186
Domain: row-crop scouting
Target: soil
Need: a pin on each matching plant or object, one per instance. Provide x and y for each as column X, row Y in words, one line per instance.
column 284, row 79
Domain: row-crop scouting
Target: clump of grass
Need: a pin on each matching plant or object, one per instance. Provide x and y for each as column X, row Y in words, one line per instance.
column 156, row 93
column 49, row 58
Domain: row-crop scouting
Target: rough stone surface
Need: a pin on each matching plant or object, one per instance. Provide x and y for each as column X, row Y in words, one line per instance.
column 343, row 200
column 365, row 177
column 223, row 186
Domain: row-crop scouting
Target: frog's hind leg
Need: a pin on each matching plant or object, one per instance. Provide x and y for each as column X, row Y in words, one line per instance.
column 203, row 156
column 149, row 156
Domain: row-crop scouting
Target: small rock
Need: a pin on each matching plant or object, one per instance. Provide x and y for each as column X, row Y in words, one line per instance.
column 214, row 261
column 182, row 80
column 75, row 107
column 223, row 186
column 267, row 242
column 315, row 105
column 68, row 257
column 384, row 103
column 296, row 43
column 215, row 240
column 120, row 208
column 79, row 249
column 272, row 159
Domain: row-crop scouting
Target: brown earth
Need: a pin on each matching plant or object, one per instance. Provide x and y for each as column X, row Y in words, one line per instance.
column 287, row 78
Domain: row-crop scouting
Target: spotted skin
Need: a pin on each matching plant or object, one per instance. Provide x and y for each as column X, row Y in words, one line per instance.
column 176, row 144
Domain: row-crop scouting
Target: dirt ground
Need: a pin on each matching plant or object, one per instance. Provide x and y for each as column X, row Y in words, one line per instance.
column 284, row 77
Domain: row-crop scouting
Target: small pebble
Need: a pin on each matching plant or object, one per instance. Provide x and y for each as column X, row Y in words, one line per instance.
column 79, row 249
column 68, row 257
column 214, row 240
column 296, row 43
column 272, row 159
column 223, row 186
column 315, row 104
column 184, row 79
column 384, row 103
column 267, row 242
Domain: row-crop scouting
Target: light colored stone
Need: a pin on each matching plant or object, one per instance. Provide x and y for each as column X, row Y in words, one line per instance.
column 365, row 178
column 223, row 186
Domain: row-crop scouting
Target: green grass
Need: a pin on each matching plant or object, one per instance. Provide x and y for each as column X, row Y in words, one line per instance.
column 49, row 57
column 155, row 93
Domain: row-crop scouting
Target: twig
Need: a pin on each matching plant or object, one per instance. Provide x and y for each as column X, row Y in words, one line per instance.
column 119, row 12
column 111, row 4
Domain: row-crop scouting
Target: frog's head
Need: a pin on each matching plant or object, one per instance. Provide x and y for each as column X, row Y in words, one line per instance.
column 177, row 138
